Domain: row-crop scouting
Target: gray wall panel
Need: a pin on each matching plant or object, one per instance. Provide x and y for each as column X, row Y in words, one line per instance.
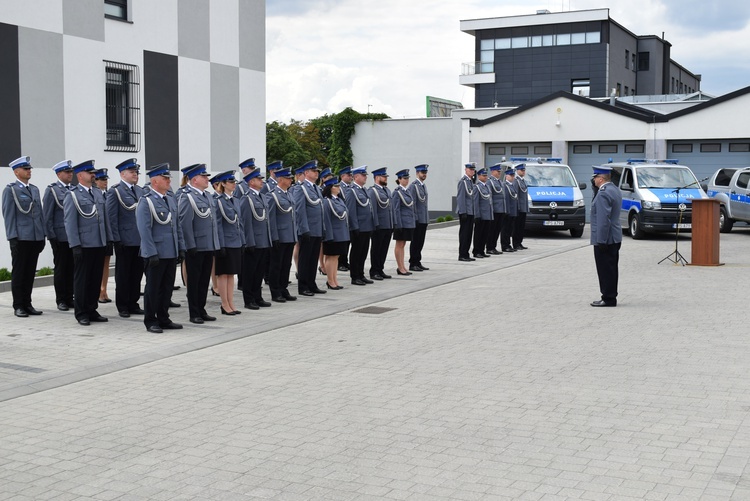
column 194, row 30
column 161, row 125
column 84, row 18
column 225, row 117
column 40, row 76
column 10, row 108
column 253, row 34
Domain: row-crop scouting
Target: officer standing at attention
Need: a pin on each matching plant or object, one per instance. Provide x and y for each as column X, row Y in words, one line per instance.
column 361, row 224
column 405, row 219
column 308, row 208
column 54, row 222
column 257, row 242
column 122, row 200
column 197, row 219
column 246, row 167
column 418, row 191
column 88, row 235
column 101, row 181
column 497, row 187
column 606, row 234
column 24, row 228
column 465, row 209
column 272, row 182
column 283, row 223
column 380, row 198
column 161, row 246
column 482, row 214
column 523, row 207
column 345, row 185
column 511, row 209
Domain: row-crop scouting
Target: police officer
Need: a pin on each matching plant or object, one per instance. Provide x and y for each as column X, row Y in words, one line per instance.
column 308, row 208
column 161, row 246
column 361, row 225
column 272, row 182
column 380, row 199
column 405, row 219
column 101, row 181
column 465, row 210
column 606, row 234
column 54, row 222
column 255, row 225
column 246, row 166
column 24, row 229
column 197, row 219
column 122, row 200
column 511, row 209
column 88, row 235
column 523, row 208
column 418, row 191
column 228, row 259
column 345, row 184
column 497, row 186
column 282, row 221
column 482, row 214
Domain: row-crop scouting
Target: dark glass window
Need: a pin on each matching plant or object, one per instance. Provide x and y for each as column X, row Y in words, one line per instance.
column 117, row 9
column 682, row 148
column 582, row 149
column 497, row 150
column 633, row 148
column 542, row 150
column 607, row 148
column 710, row 147
column 739, row 147
column 519, row 150
column 123, row 107
column 643, row 61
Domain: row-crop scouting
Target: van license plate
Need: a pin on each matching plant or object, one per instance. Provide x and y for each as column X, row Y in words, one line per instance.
column 554, row 223
column 682, row 226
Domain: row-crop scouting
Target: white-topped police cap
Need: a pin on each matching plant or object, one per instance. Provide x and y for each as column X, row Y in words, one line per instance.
column 362, row 169
column 64, row 166
column 471, row 165
column 20, row 162
column 602, row 169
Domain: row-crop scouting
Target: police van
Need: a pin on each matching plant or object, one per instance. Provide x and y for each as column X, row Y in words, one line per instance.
column 657, row 195
column 555, row 198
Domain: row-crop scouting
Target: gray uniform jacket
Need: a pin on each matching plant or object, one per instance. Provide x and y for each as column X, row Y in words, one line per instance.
column 418, row 191
column 511, row 199
column 345, row 189
column 482, row 198
column 281, row 217
column 605, row 215
column 157, row 222
column 497, row 186
column 336, row 220
column 197, row 216
column 403, row 208
column 121, row 204
column 240, row 190
column 54, row 217
column 269, row 186
column 380, row 198
column 86, row 218
column 22, row 212
column 308, row 207
column 231, row 234
column 255, row 222
column 523, row 196
column 465, row 196
column 361, row 215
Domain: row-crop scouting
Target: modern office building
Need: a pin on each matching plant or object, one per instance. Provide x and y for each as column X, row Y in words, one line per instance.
column 520, row 59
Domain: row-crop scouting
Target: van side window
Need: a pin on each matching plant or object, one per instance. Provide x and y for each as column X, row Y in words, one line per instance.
column 743, row 179
column 627, row 178
column 616, row 173
column 724, row 176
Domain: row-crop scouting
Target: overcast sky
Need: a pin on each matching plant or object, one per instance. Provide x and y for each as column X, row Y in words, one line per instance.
column 388, row 55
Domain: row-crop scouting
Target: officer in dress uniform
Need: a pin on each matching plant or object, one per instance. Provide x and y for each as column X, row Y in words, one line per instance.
column 88, row 235
column 122, row 200
column 308, row 208
column 482, row 214
column 380, row 198
column 497, row 186
column 161, row 246
column 606, row 234
column 404, row 219
column 361, row 225
column 255, row 224
column 345, row 183
column 511, row 209
column 418, row 192
column 101, row 181
column 197, row 219
column 246, row 167
column 523, row 208
column 283, row 223
column 465, row 210
column 272, row 182
column 54, row 222
column 24, row 229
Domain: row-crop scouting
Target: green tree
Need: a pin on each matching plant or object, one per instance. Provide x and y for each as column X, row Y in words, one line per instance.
column 281, row 145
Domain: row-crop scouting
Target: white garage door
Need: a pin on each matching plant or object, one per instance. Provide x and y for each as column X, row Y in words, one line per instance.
column 707, row 156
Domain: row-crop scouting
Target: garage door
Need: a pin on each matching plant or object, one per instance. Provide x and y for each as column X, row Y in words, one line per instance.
column 498, row 152
column 707, row 156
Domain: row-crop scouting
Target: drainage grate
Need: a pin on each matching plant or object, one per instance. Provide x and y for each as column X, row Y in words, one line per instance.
column 24, row 368
column 374, row 310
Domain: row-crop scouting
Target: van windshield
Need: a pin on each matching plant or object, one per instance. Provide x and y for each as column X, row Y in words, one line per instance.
column 666, row 177
column 549, row 175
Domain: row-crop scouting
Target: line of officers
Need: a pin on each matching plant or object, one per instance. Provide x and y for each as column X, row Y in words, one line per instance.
column 492, row 209
column 248, row 228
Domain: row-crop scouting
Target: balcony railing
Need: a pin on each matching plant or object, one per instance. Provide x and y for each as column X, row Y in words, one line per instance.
column 477, row 67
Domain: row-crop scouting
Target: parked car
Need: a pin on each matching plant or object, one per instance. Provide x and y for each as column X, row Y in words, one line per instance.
column 731, row 187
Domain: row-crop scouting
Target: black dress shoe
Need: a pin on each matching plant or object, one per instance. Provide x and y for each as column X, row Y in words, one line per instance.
column 20, row 312
column 603, row 303
column 385, row 275
column 106, row 300
column 414, row 267
column 237, row 312
column 208, row 318
column 32, row 311
column 520, row 247
column 155, row 329
column 263, row 304
column 509, row 249
column 225, row 312
column 84, row 321
column 99, row 319
column 424, row 268
column 125, row 314
column 62, row 307
column 288, row 296
column 137, row 311
column 174, row 288
column 376, row 276
column 366, row 280
column 478, row 256
column 485, row 255
column 278, row 299
column 172, row 304
column 171, row 325
column 196, row 320
column 252, row 306
column 306, row 293
column 343, row 268
column 357, row 281
column 406, row 273
column 494, row 252
column 466, row 259
column 318, row 291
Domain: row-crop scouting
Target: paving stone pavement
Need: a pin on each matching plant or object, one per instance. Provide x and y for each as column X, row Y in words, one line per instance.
column 486, row 380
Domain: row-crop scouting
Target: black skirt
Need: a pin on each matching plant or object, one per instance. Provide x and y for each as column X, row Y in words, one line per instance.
column 404, row 234
column 230, row 263
column 334, row 248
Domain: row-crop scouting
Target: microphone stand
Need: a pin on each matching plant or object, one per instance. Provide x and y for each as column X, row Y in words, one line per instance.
column 675, row 256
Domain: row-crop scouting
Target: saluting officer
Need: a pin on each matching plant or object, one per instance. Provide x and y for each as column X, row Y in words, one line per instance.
column 361, row 225
column 523, row 207
column 465, row 210
column 497, row 186
column 198, row 223
column 282, row 220
column 308, row 208
column 272, row 182
column 54, row 222
column 24, row 229
column 88, row 235
column 482, row 214
column 122, row 200
column 255, row 224
column 418, row 192
column 380, row 197
column 345, row 184
column 161, row 246
column 511, row 209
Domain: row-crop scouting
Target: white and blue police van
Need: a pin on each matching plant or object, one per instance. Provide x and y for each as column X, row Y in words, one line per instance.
column 555, row 198
column 657, row 195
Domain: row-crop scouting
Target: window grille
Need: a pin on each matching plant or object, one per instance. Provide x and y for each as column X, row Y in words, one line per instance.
column 123, row 107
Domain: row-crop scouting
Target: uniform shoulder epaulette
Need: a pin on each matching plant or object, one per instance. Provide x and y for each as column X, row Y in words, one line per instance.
column 52, row 185
column 603, row 187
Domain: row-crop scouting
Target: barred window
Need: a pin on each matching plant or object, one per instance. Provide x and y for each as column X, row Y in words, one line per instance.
column 123, row 107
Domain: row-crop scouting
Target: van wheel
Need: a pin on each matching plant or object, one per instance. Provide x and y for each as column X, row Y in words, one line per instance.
column 635, row 228
column 725, row 222
column 576, row 232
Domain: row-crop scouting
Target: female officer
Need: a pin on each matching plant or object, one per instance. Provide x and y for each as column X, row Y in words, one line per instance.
column 228, row 259
column 336, row 229
column 405, row 219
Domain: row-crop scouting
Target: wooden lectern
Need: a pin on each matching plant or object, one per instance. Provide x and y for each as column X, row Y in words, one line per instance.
column 705, row 230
